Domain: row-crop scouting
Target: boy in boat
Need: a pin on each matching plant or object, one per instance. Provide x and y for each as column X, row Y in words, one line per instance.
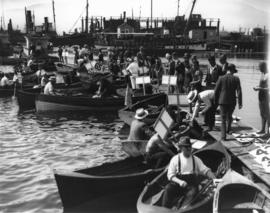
column 182, row 173
column 49, row 88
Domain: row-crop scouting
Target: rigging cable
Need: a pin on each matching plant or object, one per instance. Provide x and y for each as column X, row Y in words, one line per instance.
column 77, row 20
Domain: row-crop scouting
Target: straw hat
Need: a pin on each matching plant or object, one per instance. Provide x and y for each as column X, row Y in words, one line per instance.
column 141, row 113
column 192, row 95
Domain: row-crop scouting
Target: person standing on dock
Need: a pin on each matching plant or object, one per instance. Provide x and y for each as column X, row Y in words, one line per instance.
column 60, row 54
column 263, row 91
column 224, row 64
column 225, row 96
column 188, row 73
column 206, row 97
column 141, row 57
column 214, row 71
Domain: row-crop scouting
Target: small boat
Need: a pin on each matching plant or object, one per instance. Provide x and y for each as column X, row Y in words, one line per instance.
column 214, row 156
column 153, row 104
column 105, row 187
column 50, row 103
column 134, row 148
column 64, row 68
column 236, row 193
column 26, row 98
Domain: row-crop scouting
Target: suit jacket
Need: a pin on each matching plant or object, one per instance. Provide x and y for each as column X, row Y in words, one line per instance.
column 213, row 77
column 226, row 89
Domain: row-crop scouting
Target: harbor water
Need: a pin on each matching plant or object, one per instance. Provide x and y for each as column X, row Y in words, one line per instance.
column 32, row 145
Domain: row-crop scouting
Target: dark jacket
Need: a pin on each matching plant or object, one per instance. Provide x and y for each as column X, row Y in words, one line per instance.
column 226, row 89
column 212, row 78
column 137, row 130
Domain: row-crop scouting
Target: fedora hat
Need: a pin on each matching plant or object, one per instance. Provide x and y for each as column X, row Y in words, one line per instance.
column 232, row 68
column 141, row 113
column 192, row 95
column 184, row 141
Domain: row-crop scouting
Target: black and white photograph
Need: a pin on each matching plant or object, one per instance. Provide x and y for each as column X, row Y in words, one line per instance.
column 134, row 106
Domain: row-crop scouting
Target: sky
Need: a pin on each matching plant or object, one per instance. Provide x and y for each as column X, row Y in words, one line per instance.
column 232, row 13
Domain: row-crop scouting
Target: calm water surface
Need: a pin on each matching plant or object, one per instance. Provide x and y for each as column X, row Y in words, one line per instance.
column 31, row 145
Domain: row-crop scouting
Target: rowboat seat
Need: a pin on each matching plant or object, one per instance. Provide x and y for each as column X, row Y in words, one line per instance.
column 247, row 205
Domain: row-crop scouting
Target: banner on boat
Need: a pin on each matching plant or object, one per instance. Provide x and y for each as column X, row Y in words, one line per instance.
column 262, row 156
column 169, row 80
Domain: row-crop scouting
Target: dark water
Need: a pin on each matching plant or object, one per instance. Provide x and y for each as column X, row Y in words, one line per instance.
column 31, row 145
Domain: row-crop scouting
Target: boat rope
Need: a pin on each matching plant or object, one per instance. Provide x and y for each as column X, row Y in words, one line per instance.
column 77, row 20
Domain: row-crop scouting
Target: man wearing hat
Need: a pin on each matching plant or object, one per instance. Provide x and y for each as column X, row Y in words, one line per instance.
column 227, row 87
column 182, row 172
column 138, row 126
column 214, row 71
column 224, row 63
column 206, row 97
column 49, row 88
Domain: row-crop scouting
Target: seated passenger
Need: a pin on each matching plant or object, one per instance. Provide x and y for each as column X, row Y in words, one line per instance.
column 182, row 173
column 158, row 152
column 49, row 88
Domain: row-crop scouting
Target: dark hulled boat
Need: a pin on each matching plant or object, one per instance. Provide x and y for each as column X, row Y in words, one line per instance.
column 104, row 188
column 47, row 103
column 153, row 105
column 214, row 156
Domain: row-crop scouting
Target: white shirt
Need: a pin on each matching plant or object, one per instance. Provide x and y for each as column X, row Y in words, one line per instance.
column 186, row 166
column 133, row 68
column 49, row 90
column 4, row 81
column 206, row 96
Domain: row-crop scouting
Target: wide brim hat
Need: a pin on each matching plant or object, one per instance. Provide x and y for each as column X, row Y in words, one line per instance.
column 191, row 96
column 141, row 114
column 184, row 141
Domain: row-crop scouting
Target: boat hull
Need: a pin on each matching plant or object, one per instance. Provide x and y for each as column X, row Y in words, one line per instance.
column 236, row 193
column 26, row 98
column 48, row 103
column 127, row 114
column 215, row 157
column 105, row 182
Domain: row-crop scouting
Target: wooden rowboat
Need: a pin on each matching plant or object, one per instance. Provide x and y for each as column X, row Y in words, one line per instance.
column 236, row 193
column 153, row 104
column 26, row 98
column 215, row 157
column 105, row 187
column 50, row 103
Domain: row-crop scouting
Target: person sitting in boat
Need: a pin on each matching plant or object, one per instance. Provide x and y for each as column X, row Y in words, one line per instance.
column 105, row 89
column 158, row 151
column 44, row 81
column 206, row 97
column 100, row 56
column 182, row 174
column 138, row 128
column 49, row 88
column 4, row 81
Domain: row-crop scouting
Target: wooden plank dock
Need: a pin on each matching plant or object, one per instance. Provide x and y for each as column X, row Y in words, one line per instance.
column 241, row 151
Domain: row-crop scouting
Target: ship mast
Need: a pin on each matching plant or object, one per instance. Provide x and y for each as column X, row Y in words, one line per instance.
column 151, row 12
column 178, row 3
column 188, row 21
column 86, row 19
column 54, row 15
